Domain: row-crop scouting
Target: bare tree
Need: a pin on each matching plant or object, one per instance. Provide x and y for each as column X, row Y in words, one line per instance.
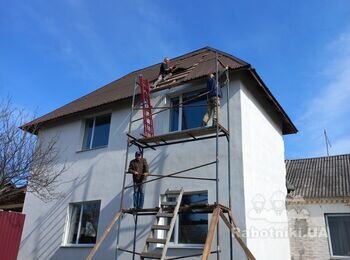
column 24, row 160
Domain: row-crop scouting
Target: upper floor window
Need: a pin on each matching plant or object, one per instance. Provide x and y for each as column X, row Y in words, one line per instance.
column 96, row 132
column 187, row 111
column 191, row 228
column 338, row 226
column 82, row 223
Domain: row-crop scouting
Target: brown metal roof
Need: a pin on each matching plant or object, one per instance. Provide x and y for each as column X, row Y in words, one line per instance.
column 323, row 177
column 190, row 66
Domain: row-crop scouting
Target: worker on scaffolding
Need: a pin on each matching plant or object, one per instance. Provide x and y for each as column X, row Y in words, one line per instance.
column 165, row 72
column 214, row 96
column 139, row 169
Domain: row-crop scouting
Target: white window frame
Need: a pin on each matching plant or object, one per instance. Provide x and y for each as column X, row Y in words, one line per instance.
column 175, row 244
column 329, row 234
column 180, row 96
column 68, row 224
column 93, row 132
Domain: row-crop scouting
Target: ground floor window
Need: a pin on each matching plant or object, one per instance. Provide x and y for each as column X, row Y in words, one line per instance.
column 191, row 228
column 82, row 222
column 338, row 227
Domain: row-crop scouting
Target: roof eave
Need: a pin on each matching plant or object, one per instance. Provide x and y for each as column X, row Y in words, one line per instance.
column 288, row 126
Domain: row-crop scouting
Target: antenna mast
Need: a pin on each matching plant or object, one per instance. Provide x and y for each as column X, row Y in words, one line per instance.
column 328, row 143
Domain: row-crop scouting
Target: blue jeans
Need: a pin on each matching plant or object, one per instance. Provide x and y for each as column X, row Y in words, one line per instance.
column 139, row 195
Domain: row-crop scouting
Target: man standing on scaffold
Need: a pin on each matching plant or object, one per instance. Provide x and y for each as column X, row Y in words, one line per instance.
column 139, row 169
column 214, row 96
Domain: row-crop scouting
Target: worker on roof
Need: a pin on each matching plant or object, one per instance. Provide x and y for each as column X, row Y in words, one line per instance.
column 139, row 169
column 214, row 96
column 165, row 72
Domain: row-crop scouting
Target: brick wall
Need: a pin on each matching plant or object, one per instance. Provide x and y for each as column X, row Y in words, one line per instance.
column 307, row 229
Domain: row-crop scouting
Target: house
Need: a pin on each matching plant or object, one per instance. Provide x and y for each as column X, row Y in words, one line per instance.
column 319, row 207
column 92, row 135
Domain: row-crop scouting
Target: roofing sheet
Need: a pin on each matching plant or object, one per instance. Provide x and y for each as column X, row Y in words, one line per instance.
column 192, row 65
column 323, row 177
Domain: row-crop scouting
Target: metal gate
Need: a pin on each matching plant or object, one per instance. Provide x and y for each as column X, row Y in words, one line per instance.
column 11, row 226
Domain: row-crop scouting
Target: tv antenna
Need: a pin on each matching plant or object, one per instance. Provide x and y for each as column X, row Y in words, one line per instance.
column 328, row 143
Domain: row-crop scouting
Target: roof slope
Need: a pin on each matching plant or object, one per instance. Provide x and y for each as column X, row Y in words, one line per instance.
column 323, row 177
column 190, row 66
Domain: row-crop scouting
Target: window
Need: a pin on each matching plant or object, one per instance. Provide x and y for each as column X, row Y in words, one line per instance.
column 96, row 132
column 338, row 226
column 191, row 228
column 82, row 223
column 189, row 115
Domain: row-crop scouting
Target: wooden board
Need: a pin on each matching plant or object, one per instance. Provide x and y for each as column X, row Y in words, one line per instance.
column 181, row 135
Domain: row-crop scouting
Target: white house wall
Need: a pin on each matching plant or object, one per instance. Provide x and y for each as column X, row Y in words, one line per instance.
column 97, row 175
column 264, row 177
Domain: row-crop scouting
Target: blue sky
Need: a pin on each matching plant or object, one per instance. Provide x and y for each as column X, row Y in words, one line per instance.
column 52, row 52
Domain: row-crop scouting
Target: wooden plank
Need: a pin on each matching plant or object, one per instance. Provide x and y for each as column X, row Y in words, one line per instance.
column 169, row 203
column 161, row 227
column 174, row 77
column 165, row 215
column 234, row 230
column 100, row 240
column 11, row 206
column 151, row 255
column 199, row 131
column 156, row 240
column 145, row 210
column 172, row 192
column 211, row 231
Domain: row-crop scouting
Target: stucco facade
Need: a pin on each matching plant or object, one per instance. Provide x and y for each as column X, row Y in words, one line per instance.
column 257, row 178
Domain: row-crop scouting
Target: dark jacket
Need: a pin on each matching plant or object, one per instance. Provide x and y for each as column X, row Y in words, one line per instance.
column 212, row 88
column 139, row 166
column 164, row 69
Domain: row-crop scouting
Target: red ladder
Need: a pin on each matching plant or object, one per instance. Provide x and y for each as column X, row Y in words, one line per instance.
column 148, row 130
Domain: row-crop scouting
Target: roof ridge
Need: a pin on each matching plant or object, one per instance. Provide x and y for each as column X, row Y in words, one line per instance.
column 228, row 55
column 318, row 157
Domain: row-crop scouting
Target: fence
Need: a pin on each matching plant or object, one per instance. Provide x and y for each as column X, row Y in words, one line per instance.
column 11, row 226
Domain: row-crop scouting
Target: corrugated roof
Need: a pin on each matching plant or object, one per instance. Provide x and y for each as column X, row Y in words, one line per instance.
column 190, row 66
column 323, row 177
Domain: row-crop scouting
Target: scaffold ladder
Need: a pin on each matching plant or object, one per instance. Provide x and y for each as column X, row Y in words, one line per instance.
column 148, row 130
column 164, row 225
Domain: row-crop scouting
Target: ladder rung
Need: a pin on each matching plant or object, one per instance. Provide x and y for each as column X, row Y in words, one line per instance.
column 151, row 255
column 172, row 192
column 161, row 227
column 156, row 240
column 169, row 203
column 164, row 215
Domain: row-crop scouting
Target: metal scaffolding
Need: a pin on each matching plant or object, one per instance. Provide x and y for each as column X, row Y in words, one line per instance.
column 217, row 210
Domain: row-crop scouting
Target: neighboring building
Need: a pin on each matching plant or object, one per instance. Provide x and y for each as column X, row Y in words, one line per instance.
column 319, row 207
column 92, row 138
column 13, row 199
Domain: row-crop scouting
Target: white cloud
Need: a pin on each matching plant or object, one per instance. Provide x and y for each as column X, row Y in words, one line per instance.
column 330, row 107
